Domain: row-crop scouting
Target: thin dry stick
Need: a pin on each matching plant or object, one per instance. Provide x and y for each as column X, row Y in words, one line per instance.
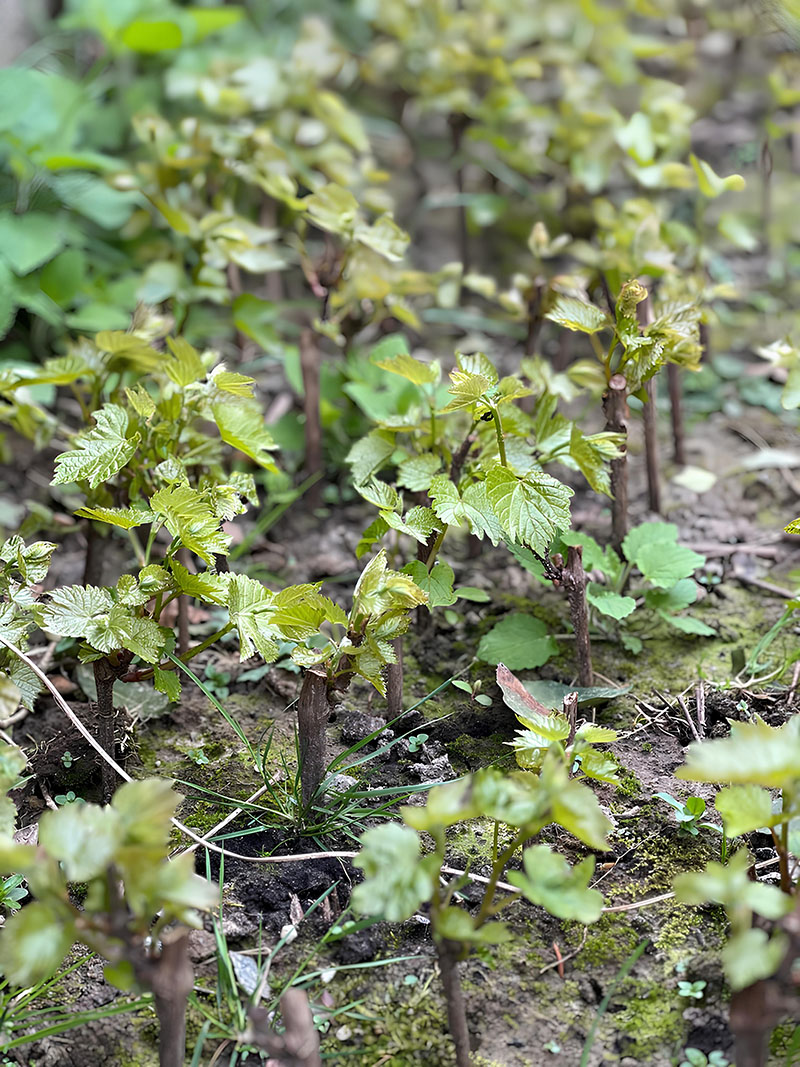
column 688, row 717
column 569, row 956
column 700, row 704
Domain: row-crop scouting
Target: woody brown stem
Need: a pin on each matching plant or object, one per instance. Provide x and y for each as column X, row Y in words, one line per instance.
column 615, row 409
column 650, row 418
column 104, row 677
column 313, row 710
column 573, row 578
column 446, row 952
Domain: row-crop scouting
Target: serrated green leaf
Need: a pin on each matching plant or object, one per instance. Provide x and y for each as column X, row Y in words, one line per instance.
column 754, row 753
column 648, row 533
column 413, row 370
column 418, row 523
column 466, row 389
column 532, row 509
column 34, row 943
column 250, row 607
column 744, row 808
column 186, row 367
column 380, row 494
column 417, row 472
column 368, row 455
column 332, row 208
column 83, row 838
column 167, row 682
column 751, row 955
column 455, row 924
column 688, row 625
column 99, row 453
column 241, row 425
column 437, row 583
column 608, row 602
column 236, row 384
column 578, row 315
column 563, row 891
column 665, row 563
column 188, row 516
column 145, row 808
column 124, row 518
column 73, row 608
column 141, row 401
column 732, row 887
column 519, row 641
column 397, row 878
column 576, row 808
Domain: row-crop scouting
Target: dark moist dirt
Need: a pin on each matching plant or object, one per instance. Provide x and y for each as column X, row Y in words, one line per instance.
column 522, row 1010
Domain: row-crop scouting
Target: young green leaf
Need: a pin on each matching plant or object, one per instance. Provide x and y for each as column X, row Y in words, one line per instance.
column 99, row 453
column 608, row 602
column 548, row 880
column 532, row 509
column 520, row 641
column 397, row 878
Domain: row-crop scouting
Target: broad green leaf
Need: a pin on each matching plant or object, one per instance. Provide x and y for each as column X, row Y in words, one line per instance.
column 186, row 367
column 754, row 753
column 99, row 453
column 648, row 533
column 466, row 389
column 385, row 237
column 125, row 518
column 150, row 36
column 61, row 371
column 550, row 695
column 250, row 607
column 167, row 682
column 750, row 955
column 236, row 384
column 206, row 587
column 188, row 515
column 13, row 762
column 303, row 617
column 664, row 564
column 380, row 494
column 455, row 924
column 479, row 514
column 368, row 455
column 73, row 609
column 437, row 583
column 519, row 641
column 578, row 315
column 548, row 880
column 417, row 472
column 477, row 363
column 145, row 808
column 744, row 808
column 575, row 807
column 397, row 878
column 414, row 370
column 418, row 523
column 34, row 943
column 445, row 805
column 473, row 594
column 731, row 886
column 379, row 590
column 82, row 837
column 332, row 208
column 29, row 239
column 241, row 425
column 532, row 509
column 608, row 602
column 676, row 598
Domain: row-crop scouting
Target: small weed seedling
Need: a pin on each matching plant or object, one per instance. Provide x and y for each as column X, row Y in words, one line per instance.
column 692, row 990
column 696, row 1058
column 689, row 814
